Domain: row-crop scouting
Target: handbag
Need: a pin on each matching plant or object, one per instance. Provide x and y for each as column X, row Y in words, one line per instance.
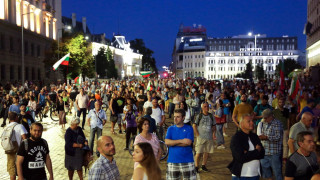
column 221, row 120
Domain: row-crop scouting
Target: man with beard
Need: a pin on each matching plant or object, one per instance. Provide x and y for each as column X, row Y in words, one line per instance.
column 33, row 155
column 241, row 109
column 25, row 119
column 105, row 167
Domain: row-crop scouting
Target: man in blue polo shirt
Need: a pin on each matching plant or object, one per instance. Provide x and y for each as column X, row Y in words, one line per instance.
column 179, row 139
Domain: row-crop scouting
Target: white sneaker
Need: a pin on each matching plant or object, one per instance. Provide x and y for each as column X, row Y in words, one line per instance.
column 221, row 147
column 225, row 135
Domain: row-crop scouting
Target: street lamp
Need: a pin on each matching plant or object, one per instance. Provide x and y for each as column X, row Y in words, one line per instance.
column 69, row 28
column 22, row 45
column 255, row 39
column 255, row 42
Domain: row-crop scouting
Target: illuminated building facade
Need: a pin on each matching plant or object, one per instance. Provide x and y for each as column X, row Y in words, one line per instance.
column 196, row 55
column 312, row 31
column 127, row 61
column 41, row 20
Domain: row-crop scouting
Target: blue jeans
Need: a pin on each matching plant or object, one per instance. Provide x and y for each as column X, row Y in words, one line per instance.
column 245, row 178
column 83, row 111
column 274, row 162
column 219, row 134
column 93, row 132
column 171, row 109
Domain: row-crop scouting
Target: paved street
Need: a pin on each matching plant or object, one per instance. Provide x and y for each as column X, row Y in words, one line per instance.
column 55, row 136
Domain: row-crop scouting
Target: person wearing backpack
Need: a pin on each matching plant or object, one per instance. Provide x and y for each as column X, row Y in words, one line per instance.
column 33, row 156
column 10, row 141
column 204, row 126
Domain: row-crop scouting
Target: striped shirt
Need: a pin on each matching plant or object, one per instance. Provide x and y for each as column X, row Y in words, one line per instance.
column 104, row 169
column 274, row 132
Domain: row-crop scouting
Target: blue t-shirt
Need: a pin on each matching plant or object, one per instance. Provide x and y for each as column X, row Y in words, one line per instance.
column 226, row 109
column 14, row 108
column 179, row 154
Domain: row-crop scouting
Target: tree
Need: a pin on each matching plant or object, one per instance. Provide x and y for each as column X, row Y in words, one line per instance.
column 101, row 62
column 112, row 71
column 289, row 66
column 81, row 60
column 247, row 73
column 148, row 61
column 259, row 72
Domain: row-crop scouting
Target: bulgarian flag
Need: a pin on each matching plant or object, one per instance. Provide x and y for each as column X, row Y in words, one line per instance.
column 76, row 80
column 145, row 74
column 295, row 85
column 282, row 82
column 62, row 61
column 149, row 87
column 196, row 83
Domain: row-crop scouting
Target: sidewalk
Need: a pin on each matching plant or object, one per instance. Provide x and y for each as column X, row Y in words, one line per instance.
column 54, row 134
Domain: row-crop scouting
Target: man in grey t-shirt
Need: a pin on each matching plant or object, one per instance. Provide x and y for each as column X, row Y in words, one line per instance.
column 303, row 125
column 203, row 127
column 302, row 164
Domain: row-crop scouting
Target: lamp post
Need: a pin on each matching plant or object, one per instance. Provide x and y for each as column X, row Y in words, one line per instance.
column 69, row 28
column 22, row 48
column 255, row 43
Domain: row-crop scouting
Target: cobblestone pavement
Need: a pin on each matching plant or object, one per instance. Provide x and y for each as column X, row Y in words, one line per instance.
column 54, row 134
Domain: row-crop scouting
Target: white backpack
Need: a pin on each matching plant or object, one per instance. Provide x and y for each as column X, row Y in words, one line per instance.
column 8, row 145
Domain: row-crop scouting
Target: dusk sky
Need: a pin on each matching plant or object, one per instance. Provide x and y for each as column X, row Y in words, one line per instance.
column 157, row 21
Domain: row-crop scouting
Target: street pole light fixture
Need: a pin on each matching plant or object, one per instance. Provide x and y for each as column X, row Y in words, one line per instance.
column 255, row 41
column 22, row 46
column 68, row 28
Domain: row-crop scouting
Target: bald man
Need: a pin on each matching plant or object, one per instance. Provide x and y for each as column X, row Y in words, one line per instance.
column 105, row 167
column 303, row 125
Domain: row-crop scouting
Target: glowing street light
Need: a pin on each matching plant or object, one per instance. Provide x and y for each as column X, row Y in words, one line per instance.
column 255, row 39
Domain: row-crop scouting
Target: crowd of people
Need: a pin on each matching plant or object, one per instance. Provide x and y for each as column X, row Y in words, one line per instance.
column 274, row 129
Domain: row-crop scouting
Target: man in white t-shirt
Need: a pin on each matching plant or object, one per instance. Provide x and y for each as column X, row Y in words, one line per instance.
column 158, row 115
column 19, row 134
column 147, row 103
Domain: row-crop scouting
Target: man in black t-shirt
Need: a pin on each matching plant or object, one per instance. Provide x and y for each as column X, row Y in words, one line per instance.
column 33, row 156
column 120, row 103
column 25, row 119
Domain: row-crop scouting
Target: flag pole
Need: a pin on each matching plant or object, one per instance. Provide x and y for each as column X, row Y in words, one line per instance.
column 66, row 81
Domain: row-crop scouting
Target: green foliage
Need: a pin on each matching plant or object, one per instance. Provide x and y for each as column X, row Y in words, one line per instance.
column 259, row 72
column 101, row 62
column 105, row 64
column 112, row 71
column 148, row 61
column 289, row 66
column 247, row 73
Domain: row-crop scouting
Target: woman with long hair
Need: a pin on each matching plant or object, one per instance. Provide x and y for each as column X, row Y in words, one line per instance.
column 187, row 119
column 146, row 136
column 148, row 167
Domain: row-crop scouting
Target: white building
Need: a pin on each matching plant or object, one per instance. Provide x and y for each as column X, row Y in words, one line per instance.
column 219, row 58
column 127, row 62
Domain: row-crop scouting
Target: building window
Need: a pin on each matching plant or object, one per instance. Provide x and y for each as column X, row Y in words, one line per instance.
column 26, row 48
column 27, row 73
column 3, row 72
column 2, row 41
column 19, row 72
column 38, row 51
column 11, row 72
column 32, row 49
column 202, row 64
column 33, row 74
column 39, row 74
